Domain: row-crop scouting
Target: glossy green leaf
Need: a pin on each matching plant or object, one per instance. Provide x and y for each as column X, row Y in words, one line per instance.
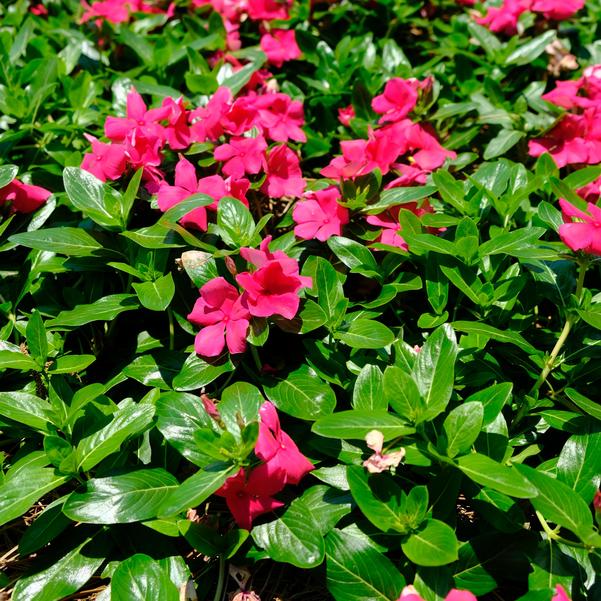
column 141, row 578
column 156, row 295
column 104, row 309
column 355, row 424
column 433, row 544
column 368, row 392
column 366, row 334
column 462, row 426
column 69, row 241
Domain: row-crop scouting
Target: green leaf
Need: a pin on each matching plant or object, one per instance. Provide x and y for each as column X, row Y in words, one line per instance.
column 326, row 505
column 357, row 423
column 433, row 544
column 235, row 222
column 434, row 370
column 7, row 174
column 579, row 464
column 593, row 318
column 502, row 142
column 483, row 329
column 302, row 394
column 17, row 360
column 356, row 571
column 197, row 488
column 127, row 422
column 401, row 391
column 46, row 527
column 19, row 492
column 527, row 52
column 156, row 295
column 69, row 241
column 37, row 344
column 328, row 287
column 511, row 242
column 294, row 538
column 493, row 399
column 366, row 334
column 398, row 196
column 590, row 407
column 70, row 364
column 368, row 392
column 356, row 256
column 141, row 578
column 64, row 577
column 93, row 197
column 104, row 309
column 487, row 472
column 129, row 196
column 558, row 503
column 239, row 406
column 130, row 497
column 423, row 243
column 462, row 426
column 451, row 191
column 196, row 373
column 27, row 409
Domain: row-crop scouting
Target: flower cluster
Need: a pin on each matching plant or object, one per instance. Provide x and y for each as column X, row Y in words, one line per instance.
column 224, row 313
column 504, row 19
column 399, row 146
column 409, row 593
column 120, row 11
column 23, row 198
column 577, row 137
column 250, row 136
column 249, row 493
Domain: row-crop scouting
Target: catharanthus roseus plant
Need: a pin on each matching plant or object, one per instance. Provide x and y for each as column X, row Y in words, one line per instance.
column 300, row 300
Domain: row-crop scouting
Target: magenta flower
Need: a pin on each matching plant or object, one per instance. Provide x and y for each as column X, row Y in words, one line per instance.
column 346, row 114
column 557, row 10
column 186, row 184
column 319, row 215
column 177, row 130
column 23, row 198
column 280, row 46
column 115, row 11
column 206, row 120
column 250, row 497
column 138, row 119
column 242, row 116
column 281, row 117
column 284, row 176
column 267, row 10
column 106, row 161
column 398, row 99
column 409, row 593
column 277, row 449
column 223, row 318
column 217, row 187
column 242, row 155
column 581, row 231
column 273, row 288
column 560, row 594
column 504, row 19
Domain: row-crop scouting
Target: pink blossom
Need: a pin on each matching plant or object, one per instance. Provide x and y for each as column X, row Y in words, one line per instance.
column 217, row 187
column 177, row 130
column 115, row 11
column 39, row 10
column 428, row 154
column 398, row 99
column 267, row 10
column 389, row 222
column 206, row 120
column 280, row 46
column 505, row 18
column 346, row 114
column 581, row 231
column 560, row 594
column 318, row 215
column 272, row 289
column 186, row 184
column 242, row 155
column 409, row 593
column 138, row 119
column 281, row 117
column 242, row 116
column 597, row 502
column 142, row 150
column 284, row 176
column 106, row 161
column 380, row 462
column 23, row 198
column 250, row 497
column 557, row 9
column 223, row 318
column 277, row 449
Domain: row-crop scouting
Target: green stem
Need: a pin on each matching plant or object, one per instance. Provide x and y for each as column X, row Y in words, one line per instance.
column 219, row 592
column 552, row 534
column 571, row 319
column 171, row 329
column 255, row 355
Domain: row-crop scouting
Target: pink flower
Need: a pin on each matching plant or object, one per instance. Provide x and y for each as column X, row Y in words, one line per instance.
column 138, row 119
column 115, row 11
column 380, row 462
column 177, row 131
column 397, row 101
column 39, row 10
column 560, row 594
column 250, row 497
column 505, row 18
column 409, row 593
column 142, row 150
column 267, row 10
column 206, row 120
column 597, row 502
column 281, row 117
column 428, row 152
column 217, row 187
column 186, row 184
column 277, row 449
column 106, row 161
column 280, row 46
column 284, row 176
column 318, row 215
column 273, row 288
column 346, row 114
column 23, row 198
column 557, row 9
column 242, row 155
column 242, row 116
column 223, row 318
column 581, row 231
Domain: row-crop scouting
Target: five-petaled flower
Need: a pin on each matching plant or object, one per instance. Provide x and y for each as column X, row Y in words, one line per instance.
column 318, row 215
column 582, row 231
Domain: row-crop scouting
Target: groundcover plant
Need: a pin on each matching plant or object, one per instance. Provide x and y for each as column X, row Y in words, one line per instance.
column 300, row 300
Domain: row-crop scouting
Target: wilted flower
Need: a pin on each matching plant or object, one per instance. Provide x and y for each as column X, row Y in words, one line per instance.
column 380, row 462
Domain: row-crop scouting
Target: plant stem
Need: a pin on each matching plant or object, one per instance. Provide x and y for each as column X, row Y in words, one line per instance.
column 571, row 319
column 171, row 329
column 255, row 355
column 552, row 534
column 219, row 592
